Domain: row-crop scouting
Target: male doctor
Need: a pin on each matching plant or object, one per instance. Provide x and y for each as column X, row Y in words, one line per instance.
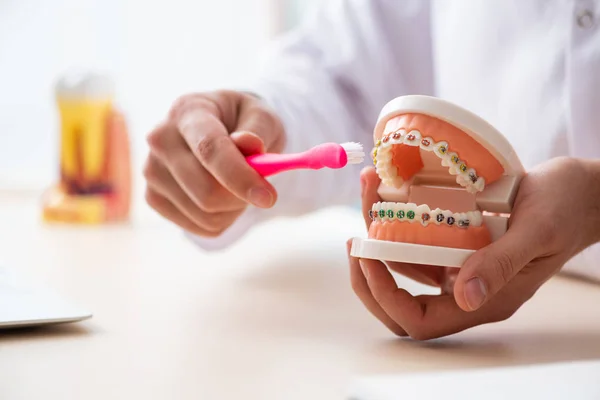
column 531, row 68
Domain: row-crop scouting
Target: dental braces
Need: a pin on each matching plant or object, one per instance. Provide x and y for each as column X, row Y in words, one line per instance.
column 465, row 176
column 425, row 217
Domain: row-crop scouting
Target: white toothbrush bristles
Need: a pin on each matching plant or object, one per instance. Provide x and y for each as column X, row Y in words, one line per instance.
column 354, row 151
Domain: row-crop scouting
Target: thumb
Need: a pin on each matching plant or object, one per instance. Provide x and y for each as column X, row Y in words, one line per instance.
column 369, row 182
column 248, row 143
column 488, row 270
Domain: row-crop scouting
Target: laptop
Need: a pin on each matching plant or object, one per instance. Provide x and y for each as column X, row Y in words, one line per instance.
column 565, row 380
column 24, row 303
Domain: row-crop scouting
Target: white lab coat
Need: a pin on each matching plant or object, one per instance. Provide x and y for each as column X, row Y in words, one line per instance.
column 529, row 67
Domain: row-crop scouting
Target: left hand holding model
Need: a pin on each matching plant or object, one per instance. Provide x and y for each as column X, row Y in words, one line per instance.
column 556, row 215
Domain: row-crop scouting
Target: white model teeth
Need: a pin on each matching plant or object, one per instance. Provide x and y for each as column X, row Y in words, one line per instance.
column 447, row 213
column 461, row 220
column 382, row 155
column 376, row 207
column 427, row 144
column 441, row 150
column 475, row 217
column 423, row 214
column 435, row 216
column 413, row 138
column 464, row 180
column 389, row 211
column 446, row 159
column 410, row 212
column 439, row 216
column 479, row 184
column 383, row 163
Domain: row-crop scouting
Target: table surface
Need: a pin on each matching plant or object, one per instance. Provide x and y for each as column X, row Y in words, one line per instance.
column 270, row 318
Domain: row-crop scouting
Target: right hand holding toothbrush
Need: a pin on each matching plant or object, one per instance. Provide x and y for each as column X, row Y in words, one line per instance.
column 196, row 172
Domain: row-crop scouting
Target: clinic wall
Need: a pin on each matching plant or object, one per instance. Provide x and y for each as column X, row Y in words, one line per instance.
column 155, row 50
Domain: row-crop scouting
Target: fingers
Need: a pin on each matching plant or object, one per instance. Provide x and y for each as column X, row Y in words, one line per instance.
column 248, row 143
column 169, row 151
column 369, row 181
column 427, row 317
column 490, row 269
column 396, row 303
column 209, row 141
column 449, row 280
column 165, row 208
column 360, row 287
column 169, row 211
column 161, row 183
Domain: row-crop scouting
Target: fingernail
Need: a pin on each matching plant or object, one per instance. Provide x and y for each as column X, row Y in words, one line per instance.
column 475, row 292
column 364, row 268
column 261, row 197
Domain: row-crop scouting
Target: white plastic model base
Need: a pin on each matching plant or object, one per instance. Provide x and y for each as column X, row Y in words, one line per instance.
column 409, row 253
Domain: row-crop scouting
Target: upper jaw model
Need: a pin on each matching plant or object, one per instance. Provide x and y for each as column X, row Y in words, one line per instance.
column 445, row 174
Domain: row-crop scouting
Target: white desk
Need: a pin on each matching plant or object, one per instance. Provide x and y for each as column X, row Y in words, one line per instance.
column 267, row 319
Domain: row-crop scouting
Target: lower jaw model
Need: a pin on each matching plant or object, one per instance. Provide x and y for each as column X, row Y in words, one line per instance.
column 412, row 223
column 446, row 176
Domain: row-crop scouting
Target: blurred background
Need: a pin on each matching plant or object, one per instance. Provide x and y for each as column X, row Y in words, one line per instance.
column 155, row 51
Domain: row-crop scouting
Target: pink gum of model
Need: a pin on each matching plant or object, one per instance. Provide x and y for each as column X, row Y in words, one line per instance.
column 326, row 155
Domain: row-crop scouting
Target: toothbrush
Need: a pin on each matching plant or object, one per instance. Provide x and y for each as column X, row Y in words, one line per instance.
column 326, row 155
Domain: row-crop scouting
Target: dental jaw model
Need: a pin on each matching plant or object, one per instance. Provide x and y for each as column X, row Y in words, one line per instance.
column 448, row 183
column 95, row 181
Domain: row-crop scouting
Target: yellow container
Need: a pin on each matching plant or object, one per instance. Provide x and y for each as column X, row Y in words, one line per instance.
column 94, row 154
column 83, row 138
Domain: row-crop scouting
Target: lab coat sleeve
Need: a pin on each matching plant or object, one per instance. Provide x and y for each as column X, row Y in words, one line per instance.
column 327, row 81
column 585, row 264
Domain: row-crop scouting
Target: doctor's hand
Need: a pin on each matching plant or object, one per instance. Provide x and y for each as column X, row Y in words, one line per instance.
column 556, row 215
column 196, row 173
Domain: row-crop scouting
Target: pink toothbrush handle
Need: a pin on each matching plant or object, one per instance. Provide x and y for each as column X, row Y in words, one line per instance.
column 330, row 155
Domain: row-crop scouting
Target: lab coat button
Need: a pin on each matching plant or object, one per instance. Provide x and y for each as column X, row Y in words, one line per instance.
column 585, row 19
